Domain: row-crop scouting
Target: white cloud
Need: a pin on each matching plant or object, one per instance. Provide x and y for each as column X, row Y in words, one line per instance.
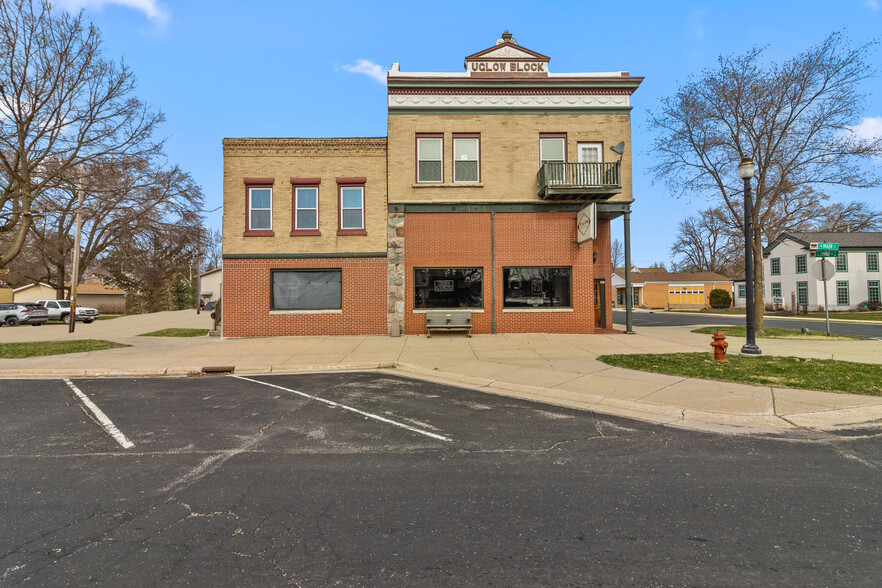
column 872, row 4
column 368, row 68
column 696, row 21
column 869, row 128
column 152, row 9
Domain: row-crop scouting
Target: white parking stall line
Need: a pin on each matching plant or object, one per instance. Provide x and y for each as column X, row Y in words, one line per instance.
column 350, row 409
column 102, row 418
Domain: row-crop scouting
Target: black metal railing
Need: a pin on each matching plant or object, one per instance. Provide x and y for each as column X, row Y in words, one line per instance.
column 593, row 177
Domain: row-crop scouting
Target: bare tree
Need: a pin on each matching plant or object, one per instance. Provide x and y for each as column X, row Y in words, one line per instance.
column 707, row 242
column 212, row 249
column 791, row 118
column 124, row 200
column 617, row 253
column 63, row 106
column 852, row 216
column 155, row 267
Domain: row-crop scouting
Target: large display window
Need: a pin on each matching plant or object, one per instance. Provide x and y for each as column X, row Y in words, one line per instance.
column 537, row 287
column 449, row 287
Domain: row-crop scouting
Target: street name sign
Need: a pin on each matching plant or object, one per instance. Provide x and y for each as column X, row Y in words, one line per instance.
column 825, row 249
column 824, row 246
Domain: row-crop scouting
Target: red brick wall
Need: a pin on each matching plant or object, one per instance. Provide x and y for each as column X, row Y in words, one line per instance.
column 246, row 299
column 522, row 239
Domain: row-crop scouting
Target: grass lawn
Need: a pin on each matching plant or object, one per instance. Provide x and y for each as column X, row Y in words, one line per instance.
column 770, row 333
column 176, row 333
column 850, row 316
column 21, row 350
column 783, row 372
column 107, row 317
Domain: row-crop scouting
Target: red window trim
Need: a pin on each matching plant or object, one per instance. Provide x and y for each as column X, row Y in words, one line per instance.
column 351, row 183
column 416, row 156
column 453, row 155
column 553, row 136
column 256, row 183
column 305, row 183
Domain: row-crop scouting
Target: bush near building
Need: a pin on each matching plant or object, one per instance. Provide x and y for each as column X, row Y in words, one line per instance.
column 720, row 298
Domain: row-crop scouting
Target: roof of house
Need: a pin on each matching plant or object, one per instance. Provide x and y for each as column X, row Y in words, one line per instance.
column 97, row 289
column 81, row 288
column 845, row 240
column 209, row 272
column 652, row 274
column 35, row 284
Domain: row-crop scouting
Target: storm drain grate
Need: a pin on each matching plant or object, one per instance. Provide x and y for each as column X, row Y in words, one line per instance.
column 219, row 369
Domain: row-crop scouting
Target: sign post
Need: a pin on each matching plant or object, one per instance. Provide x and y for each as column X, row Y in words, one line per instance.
column 826, row 306
column 827, row 251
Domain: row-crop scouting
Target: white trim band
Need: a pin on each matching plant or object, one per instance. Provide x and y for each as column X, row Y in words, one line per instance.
column 481, row 101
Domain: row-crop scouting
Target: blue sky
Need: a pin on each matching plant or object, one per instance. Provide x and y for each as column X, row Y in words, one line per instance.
column 291, row 69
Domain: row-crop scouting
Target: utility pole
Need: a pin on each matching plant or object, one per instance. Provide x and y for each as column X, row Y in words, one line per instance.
column 199, row 273
column 75, row 277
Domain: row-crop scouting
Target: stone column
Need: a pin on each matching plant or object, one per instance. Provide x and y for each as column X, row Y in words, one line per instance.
column 395, row 273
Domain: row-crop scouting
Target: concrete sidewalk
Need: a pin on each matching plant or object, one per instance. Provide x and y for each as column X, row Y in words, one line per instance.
column 558, row 369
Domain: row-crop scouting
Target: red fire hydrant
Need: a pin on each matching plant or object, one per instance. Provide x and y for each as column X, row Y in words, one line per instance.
column 719, row 346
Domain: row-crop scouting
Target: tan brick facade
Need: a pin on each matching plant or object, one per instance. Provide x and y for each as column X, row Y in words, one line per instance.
column 509, row 158
column 283, row 159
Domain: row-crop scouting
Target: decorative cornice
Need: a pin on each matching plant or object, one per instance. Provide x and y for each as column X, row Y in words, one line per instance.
column 345, row 142
column 512, row 91
column 497, row 101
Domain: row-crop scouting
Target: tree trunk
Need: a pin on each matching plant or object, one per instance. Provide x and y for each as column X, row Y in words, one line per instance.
column 758, row 306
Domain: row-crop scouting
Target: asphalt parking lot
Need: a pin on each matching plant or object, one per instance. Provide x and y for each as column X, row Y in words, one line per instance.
column 369, row 478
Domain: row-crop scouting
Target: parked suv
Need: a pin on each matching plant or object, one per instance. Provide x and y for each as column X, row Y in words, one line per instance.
column 14, row 313
column 59, row 310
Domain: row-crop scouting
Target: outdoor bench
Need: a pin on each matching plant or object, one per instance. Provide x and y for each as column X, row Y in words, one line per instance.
column 448, row 320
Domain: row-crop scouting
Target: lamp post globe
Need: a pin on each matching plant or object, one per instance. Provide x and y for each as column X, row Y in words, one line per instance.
column 745, row 172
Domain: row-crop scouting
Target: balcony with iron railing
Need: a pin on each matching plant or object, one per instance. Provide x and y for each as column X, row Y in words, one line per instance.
column 558, row 180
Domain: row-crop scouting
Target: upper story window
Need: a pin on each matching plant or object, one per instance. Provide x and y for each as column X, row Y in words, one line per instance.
column 775, row 266
column 590, row 153
column 430, row 163
column 872, row 261
column 801, row 264
column 351, row 197
column 466, row 158
column 842, row 262
column 306, row 208
column 259, row 207
column 552, row 148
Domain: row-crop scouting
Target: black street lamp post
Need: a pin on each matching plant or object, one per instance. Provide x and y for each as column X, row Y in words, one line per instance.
column 745, row 170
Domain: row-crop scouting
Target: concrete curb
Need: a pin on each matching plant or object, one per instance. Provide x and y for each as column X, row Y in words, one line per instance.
column 867, row 418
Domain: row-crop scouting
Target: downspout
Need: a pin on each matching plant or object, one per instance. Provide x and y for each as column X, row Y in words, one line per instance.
column 493, row 272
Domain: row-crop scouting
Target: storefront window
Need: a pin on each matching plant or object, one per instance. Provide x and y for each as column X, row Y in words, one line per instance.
column 456, row 287
column 537, row 287
column 307, row 290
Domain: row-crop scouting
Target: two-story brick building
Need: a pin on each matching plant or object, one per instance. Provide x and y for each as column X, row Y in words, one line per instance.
column 493, row 192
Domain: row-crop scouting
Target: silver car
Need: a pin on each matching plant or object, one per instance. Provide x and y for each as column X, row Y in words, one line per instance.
column 13, row 314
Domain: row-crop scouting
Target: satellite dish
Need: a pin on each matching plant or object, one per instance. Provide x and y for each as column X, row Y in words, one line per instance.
column 618, row 149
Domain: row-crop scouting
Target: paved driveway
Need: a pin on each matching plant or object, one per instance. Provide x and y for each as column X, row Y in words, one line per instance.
column 366, row 479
